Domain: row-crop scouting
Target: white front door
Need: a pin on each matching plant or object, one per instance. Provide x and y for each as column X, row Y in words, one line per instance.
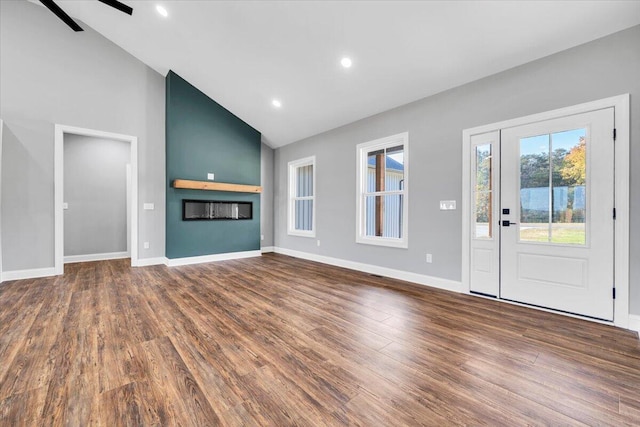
column 556, row 206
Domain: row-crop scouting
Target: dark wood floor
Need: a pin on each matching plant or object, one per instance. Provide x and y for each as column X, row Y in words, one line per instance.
column 281, row 341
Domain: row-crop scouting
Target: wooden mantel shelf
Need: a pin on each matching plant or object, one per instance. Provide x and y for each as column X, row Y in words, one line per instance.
column 215, row 186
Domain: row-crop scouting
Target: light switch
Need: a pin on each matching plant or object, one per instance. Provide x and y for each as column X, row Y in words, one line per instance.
column 210, row 176
column 65, row 205
column 447, row 205
column 148, row 207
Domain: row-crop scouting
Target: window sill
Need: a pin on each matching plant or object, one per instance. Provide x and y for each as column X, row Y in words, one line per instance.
column 301, row 233
column 391, row 243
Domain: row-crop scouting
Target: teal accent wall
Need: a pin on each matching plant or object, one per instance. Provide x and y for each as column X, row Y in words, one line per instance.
column 202, row 136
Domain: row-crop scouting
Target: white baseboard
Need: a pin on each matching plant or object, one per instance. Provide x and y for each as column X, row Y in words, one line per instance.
column 267, row 249
column 212, row 258
column 28, row 274
column 421, row 279
column 95, row 257
column 634, row 323
column 145, row 262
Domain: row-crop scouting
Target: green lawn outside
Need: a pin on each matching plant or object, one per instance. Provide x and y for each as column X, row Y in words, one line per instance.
column 561, row 233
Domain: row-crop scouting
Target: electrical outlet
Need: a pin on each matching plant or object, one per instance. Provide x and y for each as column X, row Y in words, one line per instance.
column 318, row 242
column 429, row 258
column 210, row 176
column 146, row 245
column 262, row 237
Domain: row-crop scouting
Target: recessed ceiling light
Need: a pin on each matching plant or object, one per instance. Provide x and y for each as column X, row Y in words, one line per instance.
column 162, row 11
column 276, row 103
column 346, row 62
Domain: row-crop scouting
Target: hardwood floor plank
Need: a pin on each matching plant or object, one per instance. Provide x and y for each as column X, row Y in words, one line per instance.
column 630, row 406
column 168, row 372
column 12, row 341
column 281, row 341
column 134, row 404
column 422, row 359
column 590, row 370
column 32, row 365
column 287, row 402
column 299, row 360
column 238, row 416
column 74, row 367
column 18, row 294
column 211, row 366
column 23, row 409
column 519, row 383
column 436, row 386
column 117, row 350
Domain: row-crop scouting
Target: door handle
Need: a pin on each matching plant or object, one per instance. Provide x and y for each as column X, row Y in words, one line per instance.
column 508, row 223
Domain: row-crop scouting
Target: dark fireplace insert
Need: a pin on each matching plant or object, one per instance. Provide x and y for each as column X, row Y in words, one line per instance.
column 207, row 210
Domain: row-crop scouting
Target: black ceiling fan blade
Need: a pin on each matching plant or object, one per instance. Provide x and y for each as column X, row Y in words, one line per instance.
column 53, row 7
column 118, row 5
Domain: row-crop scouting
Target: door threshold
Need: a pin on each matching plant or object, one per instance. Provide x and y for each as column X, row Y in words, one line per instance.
column 547, row 310
column 553, row 310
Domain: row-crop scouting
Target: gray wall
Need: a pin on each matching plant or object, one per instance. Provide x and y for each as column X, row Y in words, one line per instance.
column 95, row 189
column 606, row 67
column 49, row 75
column 204, row 137
column 266, row 198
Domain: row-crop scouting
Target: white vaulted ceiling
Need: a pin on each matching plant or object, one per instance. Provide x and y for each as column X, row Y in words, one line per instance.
column 243, row 54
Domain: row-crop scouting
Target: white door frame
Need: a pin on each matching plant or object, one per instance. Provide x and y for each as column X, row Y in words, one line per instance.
column 58, row 171
column 1, row 128
column 621, row 122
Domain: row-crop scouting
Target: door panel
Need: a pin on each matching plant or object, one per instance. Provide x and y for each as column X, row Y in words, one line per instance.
column 485, row 233
column 557, row 180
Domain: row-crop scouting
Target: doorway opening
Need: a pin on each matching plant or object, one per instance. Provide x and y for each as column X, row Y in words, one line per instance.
column 86, row 208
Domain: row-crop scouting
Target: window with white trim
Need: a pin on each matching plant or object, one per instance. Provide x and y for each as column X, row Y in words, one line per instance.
column 302, row 190
column 382, row 191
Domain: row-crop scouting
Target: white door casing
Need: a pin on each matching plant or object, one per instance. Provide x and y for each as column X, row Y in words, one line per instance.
column 58, row 171
column 573, row 277
column 1, row 128
column 620, row 249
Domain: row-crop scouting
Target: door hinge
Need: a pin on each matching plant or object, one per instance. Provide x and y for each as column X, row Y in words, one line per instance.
column 614, row 134
column 614, row 213
column 614, row 293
